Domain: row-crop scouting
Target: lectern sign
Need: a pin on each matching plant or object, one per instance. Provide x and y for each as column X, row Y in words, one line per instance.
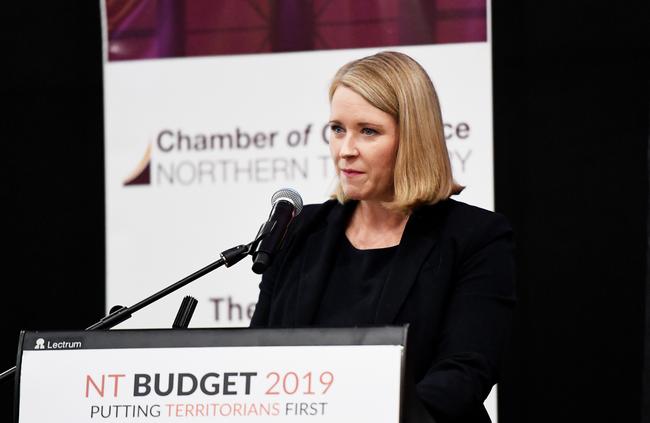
column 332, row 375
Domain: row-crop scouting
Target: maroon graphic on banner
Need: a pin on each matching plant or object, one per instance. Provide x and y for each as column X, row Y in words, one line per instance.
column 142, row 173
column 147, row 29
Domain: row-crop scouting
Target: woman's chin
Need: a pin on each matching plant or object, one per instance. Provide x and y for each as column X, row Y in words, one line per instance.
column 352, row 194
column 353, row 197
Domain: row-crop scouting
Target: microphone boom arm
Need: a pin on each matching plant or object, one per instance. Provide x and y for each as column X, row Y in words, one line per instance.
column 119, row 314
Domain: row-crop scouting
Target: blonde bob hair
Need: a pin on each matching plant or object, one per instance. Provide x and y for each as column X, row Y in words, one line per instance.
column 396, row 84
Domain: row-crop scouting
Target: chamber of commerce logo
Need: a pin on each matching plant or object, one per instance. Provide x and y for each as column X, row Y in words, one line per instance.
column 142, row 173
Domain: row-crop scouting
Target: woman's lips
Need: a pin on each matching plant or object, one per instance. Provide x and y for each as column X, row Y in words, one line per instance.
column 350, row 172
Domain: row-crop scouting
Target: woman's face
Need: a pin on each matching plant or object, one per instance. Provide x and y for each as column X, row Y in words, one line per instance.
column 363, row 145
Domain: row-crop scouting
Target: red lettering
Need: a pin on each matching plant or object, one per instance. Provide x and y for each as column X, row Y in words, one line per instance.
column 90, row 381
column 200, row 410
column 236, row 409
column 116, row 379
column 189, row 410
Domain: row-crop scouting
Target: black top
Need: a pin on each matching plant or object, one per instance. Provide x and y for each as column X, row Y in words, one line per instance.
column 354, row 286
column 452, row 281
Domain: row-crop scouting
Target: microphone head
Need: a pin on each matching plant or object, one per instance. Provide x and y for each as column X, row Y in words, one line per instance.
column 289, row 195
column 286, row 204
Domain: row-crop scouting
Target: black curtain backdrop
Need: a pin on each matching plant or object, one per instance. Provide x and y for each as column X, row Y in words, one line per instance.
column 571, row 147
column 53, row 189
column 646, row 355
column 571, row 160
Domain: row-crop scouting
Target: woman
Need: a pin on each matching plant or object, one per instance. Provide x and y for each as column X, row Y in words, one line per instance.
column 393, row 248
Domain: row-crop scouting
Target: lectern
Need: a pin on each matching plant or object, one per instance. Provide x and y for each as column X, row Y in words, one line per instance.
column 203, row 375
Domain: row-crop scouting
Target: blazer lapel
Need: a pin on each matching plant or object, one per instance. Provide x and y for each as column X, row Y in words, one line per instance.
column 319, row 257
column 418, row 240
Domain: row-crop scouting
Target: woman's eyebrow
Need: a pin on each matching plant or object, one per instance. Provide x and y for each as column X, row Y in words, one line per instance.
column 374, row 125
column 357, row 124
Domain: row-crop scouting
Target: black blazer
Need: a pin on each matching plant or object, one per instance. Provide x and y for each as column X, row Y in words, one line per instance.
column 452, row 281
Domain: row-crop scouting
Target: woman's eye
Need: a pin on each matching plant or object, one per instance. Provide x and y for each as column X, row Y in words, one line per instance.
column 336, row 129
column 368, row 131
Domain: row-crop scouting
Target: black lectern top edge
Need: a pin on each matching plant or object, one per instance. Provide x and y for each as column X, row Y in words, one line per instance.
column 212, row 337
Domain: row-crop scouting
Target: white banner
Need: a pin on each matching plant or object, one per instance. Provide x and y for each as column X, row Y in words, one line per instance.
column 195, row 146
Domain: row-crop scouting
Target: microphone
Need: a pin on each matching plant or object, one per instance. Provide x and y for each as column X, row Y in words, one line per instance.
column 287, row 204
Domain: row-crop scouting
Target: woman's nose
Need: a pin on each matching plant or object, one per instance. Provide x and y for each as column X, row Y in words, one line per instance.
column 348, row 147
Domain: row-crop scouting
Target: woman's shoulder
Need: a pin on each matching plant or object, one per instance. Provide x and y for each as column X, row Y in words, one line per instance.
column 312, row 215
column 311, row 212
column 458, row 211
column 311, row 209
column 464, row 223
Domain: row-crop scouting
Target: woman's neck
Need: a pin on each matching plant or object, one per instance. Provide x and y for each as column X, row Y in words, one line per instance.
column 374, row 226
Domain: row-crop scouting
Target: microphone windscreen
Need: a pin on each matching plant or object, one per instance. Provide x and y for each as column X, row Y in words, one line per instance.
column 290, row 195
